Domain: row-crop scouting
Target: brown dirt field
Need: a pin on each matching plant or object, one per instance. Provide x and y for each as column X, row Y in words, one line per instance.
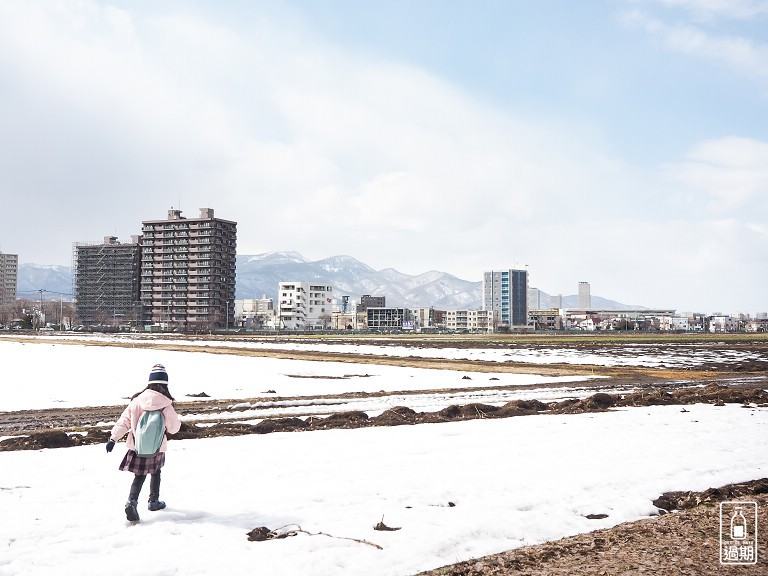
column 685, row 542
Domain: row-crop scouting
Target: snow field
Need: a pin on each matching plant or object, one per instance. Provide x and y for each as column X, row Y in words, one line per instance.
column 514, row 481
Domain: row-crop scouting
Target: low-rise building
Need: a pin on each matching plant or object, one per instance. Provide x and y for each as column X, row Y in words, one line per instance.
column 254, row 313
column 470, row 320
column 388, row 319
column 304, row 306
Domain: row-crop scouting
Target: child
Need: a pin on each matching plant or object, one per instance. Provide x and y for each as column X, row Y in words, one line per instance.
column 154, row 397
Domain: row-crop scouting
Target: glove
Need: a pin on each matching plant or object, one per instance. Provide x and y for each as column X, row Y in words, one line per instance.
column 110, row 445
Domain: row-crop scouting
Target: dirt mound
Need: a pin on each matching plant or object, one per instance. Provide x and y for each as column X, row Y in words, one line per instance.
column 596, row 403
column 187, row 432
column 685, row 500
column 280, row 425
column 529, row 406
column 710, row 394
column 349, row 419
column 51, row 439
column 396, row 416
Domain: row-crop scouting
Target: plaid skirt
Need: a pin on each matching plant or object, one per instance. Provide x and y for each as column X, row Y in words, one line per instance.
column 142, row 466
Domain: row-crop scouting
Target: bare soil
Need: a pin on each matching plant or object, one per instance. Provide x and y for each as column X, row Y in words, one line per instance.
column 683, row 542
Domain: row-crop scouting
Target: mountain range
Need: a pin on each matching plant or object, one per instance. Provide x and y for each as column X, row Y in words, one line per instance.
column 259, row 275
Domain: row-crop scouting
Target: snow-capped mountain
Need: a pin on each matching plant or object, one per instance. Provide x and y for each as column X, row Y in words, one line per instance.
column 259, row 274
column 54, row 280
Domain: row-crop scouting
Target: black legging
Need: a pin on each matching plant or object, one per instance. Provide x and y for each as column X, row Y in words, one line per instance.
column 138, row 482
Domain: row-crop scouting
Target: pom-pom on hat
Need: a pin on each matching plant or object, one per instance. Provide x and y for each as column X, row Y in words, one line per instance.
column 158, row 375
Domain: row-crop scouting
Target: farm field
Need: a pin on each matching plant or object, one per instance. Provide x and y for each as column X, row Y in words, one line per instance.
column 470, row 446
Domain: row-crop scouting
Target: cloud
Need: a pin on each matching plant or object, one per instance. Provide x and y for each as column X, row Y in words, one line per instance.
column 111, row 116
column 710, row 9
column 131, row 113
column 729, row 175
column 738, row 52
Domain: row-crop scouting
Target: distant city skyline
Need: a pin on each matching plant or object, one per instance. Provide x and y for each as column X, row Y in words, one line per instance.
column 280, row 268
column 619, row 141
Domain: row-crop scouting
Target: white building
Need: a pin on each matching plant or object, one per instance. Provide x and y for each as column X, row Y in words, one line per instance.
column 585, row 298
column 535, row 299
column 675, row 324
column 255, row 313
column 723, row 324
column 469, row 320
column 304, row 306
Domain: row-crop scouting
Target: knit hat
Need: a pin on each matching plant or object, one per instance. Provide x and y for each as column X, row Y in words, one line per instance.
column 158, row 375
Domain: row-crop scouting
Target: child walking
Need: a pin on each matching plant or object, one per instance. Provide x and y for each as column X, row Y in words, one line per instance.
column 154, row 397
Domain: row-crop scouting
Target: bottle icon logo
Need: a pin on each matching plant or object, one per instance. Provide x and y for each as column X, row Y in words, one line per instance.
column 738, row 533
column 738, row 525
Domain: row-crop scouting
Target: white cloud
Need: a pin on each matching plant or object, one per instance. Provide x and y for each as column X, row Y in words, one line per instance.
column 112, row 116
column 708, row 9
column 740, row 53
column 726, row 175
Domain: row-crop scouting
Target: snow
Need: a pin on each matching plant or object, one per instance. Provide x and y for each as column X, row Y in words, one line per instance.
column 86, row 375
column 513, row 481
column 671, row 356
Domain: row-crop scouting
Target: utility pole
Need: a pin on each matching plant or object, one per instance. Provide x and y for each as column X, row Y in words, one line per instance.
column 42, row 314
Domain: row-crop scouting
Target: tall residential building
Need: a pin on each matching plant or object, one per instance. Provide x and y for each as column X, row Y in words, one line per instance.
column 534, row 299
column 505, row 292
column 303, row 305
column 188, row 271
column 585, row 299
column 105, row 282
column 9, row 273
column 556, row 301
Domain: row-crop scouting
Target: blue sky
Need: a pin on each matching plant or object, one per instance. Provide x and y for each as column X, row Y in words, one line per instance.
column 623, row 143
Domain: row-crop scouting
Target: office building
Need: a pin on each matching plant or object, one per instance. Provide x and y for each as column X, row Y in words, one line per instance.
column 9, row 274
column 585, row 299
column 505, row 292
column 105, row 282
column 188, row 271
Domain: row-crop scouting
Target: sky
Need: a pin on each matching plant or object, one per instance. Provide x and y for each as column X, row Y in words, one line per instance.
column 622, row 143
column 63, row 508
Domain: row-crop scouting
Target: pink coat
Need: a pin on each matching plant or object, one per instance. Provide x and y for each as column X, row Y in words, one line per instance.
column 147, row 400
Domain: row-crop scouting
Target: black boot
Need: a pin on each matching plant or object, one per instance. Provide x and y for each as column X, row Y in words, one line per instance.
column 130, row 510
column 155, row 503
column 131, row 513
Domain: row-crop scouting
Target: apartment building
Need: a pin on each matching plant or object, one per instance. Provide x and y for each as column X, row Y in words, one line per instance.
column 105, row 282
column 505, row 293
column 9, row 274
column 304, row 306
column 188, row 271
column 469, row 320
